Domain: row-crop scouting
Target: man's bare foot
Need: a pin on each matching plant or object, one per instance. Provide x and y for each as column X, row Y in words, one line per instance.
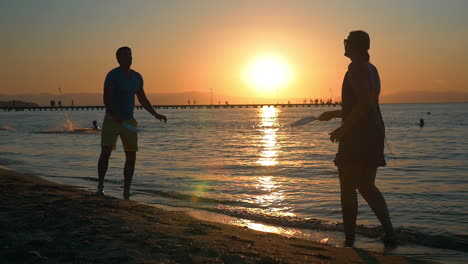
column 349, row 242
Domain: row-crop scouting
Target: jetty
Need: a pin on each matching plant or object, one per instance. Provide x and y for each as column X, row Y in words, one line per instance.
column 208, row 106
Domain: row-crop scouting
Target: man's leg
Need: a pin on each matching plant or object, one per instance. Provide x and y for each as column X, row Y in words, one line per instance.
column 349, row 203
column 130, row 159
column 103, row 164
column 130, row 142
column 109, row 136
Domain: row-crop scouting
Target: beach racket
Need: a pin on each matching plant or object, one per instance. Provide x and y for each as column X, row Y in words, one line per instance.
column 130, row 127
column 303, row 121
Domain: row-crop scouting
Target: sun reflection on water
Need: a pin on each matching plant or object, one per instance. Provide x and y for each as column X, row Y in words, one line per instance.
column 268, row 126
column 271, row 195
column 274, row 195
column 267, row 228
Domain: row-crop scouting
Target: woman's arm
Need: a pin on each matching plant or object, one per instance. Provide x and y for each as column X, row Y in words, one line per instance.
column 366, row 101
column 325, row 116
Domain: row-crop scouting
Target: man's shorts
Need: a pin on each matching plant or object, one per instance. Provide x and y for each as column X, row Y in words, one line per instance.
column 111, row 129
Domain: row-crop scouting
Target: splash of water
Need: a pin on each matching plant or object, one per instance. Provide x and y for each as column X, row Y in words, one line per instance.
column 68, row 126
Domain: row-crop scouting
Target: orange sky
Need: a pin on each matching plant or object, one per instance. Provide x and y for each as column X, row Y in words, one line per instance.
column 196, row 45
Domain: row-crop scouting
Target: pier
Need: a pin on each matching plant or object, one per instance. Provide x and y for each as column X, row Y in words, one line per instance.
column 219, row 106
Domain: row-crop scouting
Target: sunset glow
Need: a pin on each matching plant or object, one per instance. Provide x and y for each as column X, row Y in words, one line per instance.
column 266, row 73
column 245, row 51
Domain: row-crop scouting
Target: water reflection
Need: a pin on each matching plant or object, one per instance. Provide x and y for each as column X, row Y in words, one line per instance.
column 268, row 127
column 274, row 195
column 288, row 232
column 272, row 191
column 271, row 197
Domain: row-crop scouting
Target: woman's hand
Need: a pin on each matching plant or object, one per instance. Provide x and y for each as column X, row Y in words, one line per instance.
column 325, row 116
column 337, row 134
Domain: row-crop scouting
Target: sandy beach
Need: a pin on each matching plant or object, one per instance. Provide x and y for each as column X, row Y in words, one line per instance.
column 46, row 222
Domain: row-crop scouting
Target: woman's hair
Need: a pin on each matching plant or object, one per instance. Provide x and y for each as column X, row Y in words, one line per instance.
column 361, row 42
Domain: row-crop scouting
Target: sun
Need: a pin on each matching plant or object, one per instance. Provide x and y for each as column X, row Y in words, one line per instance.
column 268, row 72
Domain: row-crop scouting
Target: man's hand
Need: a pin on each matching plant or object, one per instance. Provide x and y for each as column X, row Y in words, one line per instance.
column 161, row 117
column 337, row 134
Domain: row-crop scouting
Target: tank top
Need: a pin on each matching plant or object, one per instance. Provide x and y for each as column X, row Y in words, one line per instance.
column 364, row 143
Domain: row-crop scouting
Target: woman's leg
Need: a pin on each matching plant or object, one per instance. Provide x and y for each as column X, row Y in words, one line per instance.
column 349, row 203
column 375, row 199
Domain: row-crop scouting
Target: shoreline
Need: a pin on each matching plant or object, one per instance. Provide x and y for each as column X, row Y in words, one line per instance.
column 47, row 222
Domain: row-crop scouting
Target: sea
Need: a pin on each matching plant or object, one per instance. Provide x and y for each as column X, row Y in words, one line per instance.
column 250, row 167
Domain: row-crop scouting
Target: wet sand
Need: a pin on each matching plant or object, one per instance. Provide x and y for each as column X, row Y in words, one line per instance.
column 45, row 222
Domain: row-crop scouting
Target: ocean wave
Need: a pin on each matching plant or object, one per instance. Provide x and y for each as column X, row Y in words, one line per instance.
column 238, row 209
column 405, row 235
column 195, row 199
column 71, row 131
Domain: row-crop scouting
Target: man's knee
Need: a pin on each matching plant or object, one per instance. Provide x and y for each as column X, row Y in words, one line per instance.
column 106, row 152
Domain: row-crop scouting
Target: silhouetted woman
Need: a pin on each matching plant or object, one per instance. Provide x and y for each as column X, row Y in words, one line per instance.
column 361, row 138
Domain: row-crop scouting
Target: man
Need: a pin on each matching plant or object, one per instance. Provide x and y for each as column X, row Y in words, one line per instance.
column 120, row 87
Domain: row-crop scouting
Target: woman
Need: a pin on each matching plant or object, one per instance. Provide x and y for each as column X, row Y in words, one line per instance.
column 361, row 138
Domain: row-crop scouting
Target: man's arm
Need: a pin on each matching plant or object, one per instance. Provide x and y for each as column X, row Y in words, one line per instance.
column 107, row 97
column 147, row 105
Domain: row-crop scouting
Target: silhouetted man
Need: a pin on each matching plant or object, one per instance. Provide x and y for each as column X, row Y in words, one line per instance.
column 120, row 87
